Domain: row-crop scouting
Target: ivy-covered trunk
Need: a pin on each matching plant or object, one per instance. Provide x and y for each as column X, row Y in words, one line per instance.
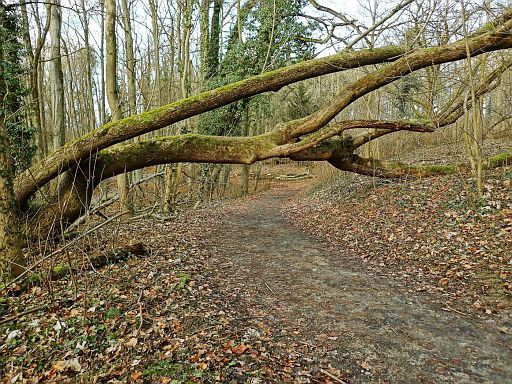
column 11, row 255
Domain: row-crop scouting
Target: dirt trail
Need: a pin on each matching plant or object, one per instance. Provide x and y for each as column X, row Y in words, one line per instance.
column 369, row 324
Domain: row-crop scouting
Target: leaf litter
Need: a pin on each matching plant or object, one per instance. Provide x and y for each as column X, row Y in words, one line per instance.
column 202, row 308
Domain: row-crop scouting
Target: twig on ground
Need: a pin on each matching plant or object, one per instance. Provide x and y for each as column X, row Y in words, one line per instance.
column 270, row 289
column 336, row 379
column 447, row 308
column 139, row 302
column 19, row 315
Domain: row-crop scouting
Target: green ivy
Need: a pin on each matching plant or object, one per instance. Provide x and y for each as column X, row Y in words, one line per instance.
column 273, row 24
column 21, row 135
column 241, row 59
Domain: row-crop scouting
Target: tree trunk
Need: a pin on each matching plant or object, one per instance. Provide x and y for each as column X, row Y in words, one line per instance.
column 474, row 133
column 204, row 13
column 130, row 67
column 102, row 99
column 215, row 37
column 245, row 167
column 56, row 77
column 36, row 82
column 210, row 50
column 89, row 91
column 156, row 51
column 186, row 79
column 245, row 179
column 112, row 92
column 33, row 77
column 130, row 58
column 11, row 255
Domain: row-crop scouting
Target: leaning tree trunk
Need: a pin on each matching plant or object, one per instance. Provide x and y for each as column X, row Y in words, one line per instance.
column 288, row 138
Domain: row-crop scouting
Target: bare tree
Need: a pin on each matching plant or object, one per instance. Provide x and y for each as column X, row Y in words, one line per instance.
column 56, row 76
column 112, row 91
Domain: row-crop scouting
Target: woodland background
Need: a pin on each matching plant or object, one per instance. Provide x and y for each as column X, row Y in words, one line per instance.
column 123, row 278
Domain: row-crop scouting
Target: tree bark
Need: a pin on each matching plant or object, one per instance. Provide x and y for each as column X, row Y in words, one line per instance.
column 112, row 93
column 56, row 77
column 11, row 255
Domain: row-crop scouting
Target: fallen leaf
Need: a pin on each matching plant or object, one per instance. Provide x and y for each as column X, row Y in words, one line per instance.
column 131, row 343
column 239, row 349
column 136, row 375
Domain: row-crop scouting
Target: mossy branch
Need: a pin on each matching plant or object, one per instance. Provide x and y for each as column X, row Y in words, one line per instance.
column 115, row 132
column 486, row 40
column 397, row 170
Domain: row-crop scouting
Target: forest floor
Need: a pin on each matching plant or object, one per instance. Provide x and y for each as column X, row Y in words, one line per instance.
column 362, row 282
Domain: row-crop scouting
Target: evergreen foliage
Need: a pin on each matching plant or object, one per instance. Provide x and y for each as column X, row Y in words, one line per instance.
column 300, row 103
column 403, row 101
column 20, row 134
column 270, row 39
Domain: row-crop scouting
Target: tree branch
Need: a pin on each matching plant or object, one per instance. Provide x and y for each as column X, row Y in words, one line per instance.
column 397, row 170
column 391, row 127
column 501, row 38
column 115, row 132
column 393, row 12
column 390, row 170
column 455, row 108
column 286, row 136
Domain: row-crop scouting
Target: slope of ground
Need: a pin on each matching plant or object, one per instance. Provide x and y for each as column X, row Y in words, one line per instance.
column 434, row 234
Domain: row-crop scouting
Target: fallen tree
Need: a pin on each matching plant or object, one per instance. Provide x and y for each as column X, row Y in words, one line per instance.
column 91, row 159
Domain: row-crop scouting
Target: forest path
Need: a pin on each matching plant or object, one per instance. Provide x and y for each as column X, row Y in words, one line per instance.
column 361, row 322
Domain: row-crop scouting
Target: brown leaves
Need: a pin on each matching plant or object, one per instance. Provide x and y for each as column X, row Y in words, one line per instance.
column 239, row 349
column 136, row 376
column 71, row 364
column 430, row 233
column 131, row 343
